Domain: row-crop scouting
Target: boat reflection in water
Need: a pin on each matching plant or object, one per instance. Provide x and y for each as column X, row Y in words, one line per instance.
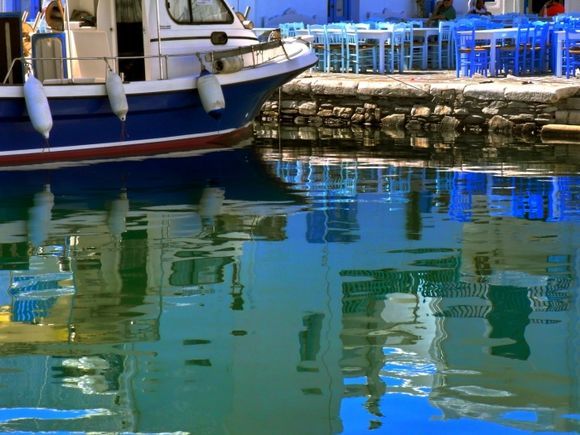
column 293, row 289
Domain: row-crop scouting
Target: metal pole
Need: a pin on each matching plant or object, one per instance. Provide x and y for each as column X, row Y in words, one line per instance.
column 68, row 37
column 158, row 17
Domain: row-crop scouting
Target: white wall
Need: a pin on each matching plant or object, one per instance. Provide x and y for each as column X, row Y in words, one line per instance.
column 387, row 8
column 572, row 6
column 267, row 12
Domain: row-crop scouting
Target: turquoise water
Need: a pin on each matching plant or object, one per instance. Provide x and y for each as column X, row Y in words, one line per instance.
column 295, row 286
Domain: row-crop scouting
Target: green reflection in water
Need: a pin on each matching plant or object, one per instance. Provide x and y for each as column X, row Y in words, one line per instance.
column 294, row 290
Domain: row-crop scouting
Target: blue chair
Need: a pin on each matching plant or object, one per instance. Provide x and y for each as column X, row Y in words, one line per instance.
column 398, row 48
column 572, row 51
column 319, row 45
column 470, row 58
column 537, row 47
column 512, row 54
column 403, row 44
column 284, row 30
column 335, row 41
column 361, row 55
column 293, row 27
column 390, row 61
column 444, row 46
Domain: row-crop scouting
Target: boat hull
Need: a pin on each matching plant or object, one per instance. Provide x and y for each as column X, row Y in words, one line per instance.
column 159, row 120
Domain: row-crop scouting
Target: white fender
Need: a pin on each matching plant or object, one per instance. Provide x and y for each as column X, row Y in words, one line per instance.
column 211, row 94
column 37, row 106
column 116, row 94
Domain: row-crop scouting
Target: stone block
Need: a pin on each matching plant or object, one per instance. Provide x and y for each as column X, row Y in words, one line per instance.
column 485, row 91
column 447, row 91
column 298, row 86
column 474, row 120
column 461, row 111
column 421, row 111
column 308, row 108
column 324, row 113
column 521, row 117
column 342, row 112
column 573, row 103
column 335, row 87
column 414, row 125
column 500, row 124
column 561, row 117
column 541, row 93
column 574, row 117
column 449, row 123
column 393, row 89
column 442, row 110
column 289, row 105
column 393, row 121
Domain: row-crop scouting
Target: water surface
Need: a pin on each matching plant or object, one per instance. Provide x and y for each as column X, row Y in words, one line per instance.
column 305, row 283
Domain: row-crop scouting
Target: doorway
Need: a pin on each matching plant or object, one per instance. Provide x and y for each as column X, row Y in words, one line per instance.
column 130, row 39
column 341, row 10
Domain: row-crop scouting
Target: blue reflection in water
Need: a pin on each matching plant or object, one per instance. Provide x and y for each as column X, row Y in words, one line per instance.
column 250, row 293
column 11, row 414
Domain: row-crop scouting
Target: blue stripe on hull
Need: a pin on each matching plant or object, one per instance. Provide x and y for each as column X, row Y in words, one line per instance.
column 150, row 117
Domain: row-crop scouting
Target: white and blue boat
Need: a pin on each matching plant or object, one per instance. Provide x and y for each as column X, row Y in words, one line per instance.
column 106, row 79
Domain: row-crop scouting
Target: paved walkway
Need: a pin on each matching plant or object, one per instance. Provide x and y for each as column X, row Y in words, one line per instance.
column 435, row 76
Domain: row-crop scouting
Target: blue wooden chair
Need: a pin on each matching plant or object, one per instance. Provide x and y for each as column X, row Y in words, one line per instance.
column 572, row 51
column 537, row 47
column 512, row 53
column 335, row 37
column 319, row 45
column 361, row 55
column 470, row 58
column 443, row 47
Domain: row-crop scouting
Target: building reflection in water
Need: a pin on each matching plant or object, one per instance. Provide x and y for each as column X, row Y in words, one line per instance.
column 321, row 285
column 494, row 280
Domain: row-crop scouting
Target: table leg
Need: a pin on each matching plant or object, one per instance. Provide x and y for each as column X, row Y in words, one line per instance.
column 492, row 57
column 557, row 42
column 381, row 56
column 425, row 54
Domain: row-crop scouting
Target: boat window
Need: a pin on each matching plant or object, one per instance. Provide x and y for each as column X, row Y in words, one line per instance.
column 199, row 11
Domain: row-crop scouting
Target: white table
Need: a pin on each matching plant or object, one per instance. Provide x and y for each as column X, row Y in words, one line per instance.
column 379, row 35
column 384, row 35
column 425, row 33
column 558, row 41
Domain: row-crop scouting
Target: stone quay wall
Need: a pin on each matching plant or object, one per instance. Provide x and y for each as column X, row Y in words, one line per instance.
column 430, row 102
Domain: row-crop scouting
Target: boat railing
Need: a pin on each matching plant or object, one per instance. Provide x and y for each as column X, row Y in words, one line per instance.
column 253, row 55
column 220, row 62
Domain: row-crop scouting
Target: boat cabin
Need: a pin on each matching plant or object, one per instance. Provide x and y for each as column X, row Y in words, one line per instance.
column 79, row 40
